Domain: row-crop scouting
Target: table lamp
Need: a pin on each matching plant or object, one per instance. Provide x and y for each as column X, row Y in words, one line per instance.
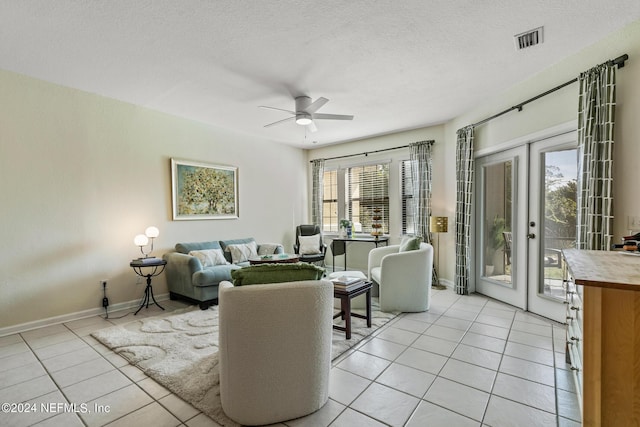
column 142, row 240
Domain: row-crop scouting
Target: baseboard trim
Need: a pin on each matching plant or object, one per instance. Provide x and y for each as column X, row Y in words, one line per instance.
column 447, row 283
column 23, row 327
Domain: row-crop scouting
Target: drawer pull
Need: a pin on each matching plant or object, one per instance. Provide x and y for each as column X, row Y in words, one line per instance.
column 575, row 369
column 575, row 339
column 570, row 319
column 569, row 343
column 573, row 307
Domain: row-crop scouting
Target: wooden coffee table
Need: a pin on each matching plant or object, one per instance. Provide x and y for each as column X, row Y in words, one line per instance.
column 345, row 313
column 274, row 259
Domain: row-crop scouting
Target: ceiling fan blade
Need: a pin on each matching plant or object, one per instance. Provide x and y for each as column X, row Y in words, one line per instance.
column 316, row 105
column 312, row 126
column 332, row 117
column 278, row 109
column 280, row 121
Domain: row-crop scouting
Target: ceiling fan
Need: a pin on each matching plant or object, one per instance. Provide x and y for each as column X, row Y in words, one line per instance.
column 305, row 113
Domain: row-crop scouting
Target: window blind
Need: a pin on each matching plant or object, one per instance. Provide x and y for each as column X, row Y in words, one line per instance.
column 367, row 191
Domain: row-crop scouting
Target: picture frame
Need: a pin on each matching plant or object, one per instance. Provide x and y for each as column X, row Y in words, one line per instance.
column 202, row 191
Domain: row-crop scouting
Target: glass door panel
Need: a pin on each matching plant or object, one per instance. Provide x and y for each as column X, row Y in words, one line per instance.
column 496, row 226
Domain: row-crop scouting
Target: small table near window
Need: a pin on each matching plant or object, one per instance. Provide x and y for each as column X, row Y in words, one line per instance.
column 339, row 246
column 148, row 268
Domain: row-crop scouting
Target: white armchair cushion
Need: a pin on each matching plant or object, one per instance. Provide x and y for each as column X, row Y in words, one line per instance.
column 309, row 244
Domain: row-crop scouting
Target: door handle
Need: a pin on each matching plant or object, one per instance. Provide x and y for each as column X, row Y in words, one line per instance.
column 531, row 236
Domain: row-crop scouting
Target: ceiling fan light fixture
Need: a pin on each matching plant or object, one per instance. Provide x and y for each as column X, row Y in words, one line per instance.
column 303, row 119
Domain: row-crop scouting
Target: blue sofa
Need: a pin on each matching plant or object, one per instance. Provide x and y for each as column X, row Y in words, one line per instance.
column 188, row 279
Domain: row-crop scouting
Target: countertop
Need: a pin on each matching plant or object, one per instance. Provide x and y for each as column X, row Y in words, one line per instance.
column 604, row 269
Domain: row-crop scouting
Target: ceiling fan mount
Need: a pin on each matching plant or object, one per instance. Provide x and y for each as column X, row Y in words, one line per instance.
column 305, row 113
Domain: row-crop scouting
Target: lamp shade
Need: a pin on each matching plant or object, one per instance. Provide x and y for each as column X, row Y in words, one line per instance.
column 141, row 240
column 439, row 224
column 152, row 232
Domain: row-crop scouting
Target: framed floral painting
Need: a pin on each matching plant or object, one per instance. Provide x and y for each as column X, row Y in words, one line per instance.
column 203, row 191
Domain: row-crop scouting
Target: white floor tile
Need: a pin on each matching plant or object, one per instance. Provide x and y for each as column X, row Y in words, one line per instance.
column 468, row 374
column 386, row 404
column 528, row 370
column 458, row 398
column 489, row 330
column 532, row 340
column 506, row 413
column 527, row 352
column 321, row 418
column 344, row 386
column 351, row 418
column 484, row 342
column 445, row 333
column 527, row 392
column 406, row 379
column 428, row 414
column 477, row 356
column 365, row 365
column 398, row 336
column 452, row 322
column 383, row 348
column 435, row 345
column 422, row 360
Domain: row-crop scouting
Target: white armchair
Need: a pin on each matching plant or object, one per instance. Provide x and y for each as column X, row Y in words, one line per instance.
column 275, row 350
column 404, row 278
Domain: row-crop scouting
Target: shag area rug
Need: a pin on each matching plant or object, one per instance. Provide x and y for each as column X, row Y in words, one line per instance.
column 180, row 351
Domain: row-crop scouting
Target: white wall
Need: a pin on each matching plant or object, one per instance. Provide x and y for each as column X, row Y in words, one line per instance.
column 81, row 175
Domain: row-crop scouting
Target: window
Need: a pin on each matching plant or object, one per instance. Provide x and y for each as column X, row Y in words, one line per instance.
column 408, row 214
column 330, row 201
column 365, row 191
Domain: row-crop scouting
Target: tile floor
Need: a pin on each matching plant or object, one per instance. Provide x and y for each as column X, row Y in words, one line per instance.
column 469, row 361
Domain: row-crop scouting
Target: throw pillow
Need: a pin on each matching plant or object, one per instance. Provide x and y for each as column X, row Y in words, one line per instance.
column 242, row 252
column 410, row 243
column 309, row 244
column 210, row 257
column 267, row 248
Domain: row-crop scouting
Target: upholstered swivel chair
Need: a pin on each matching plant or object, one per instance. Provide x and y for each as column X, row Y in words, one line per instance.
column 306, row 246
column 275, row 350
column 404, row 278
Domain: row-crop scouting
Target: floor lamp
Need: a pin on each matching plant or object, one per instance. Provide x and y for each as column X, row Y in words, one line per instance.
column 438, row 224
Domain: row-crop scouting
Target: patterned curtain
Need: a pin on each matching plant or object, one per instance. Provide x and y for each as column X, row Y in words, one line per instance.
column 464, row 198
column 596, row 117
column 317, row 191
column 420, row 157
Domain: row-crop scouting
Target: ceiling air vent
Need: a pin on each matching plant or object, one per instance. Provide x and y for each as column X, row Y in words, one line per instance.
column 528, row 38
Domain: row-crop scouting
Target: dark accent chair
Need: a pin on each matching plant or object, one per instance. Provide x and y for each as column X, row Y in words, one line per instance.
column 310, row 230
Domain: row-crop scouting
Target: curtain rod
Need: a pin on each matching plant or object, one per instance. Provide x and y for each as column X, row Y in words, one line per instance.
column 619, row 61
column 366, row 153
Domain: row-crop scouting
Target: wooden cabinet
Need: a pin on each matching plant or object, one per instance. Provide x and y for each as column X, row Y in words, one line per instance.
column 603, row 334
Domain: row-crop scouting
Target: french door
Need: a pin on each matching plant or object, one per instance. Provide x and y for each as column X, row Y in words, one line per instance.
column 525, row 215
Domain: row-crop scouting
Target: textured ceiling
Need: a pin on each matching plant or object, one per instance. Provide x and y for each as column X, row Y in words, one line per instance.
column 394, row 64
